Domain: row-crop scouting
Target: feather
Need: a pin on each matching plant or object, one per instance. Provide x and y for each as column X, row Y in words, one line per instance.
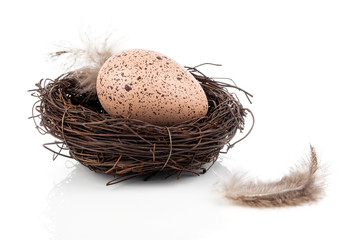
column 298, row 187
column 85, row 62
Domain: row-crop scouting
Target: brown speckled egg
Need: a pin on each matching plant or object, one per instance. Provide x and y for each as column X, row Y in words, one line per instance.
column 146, row 85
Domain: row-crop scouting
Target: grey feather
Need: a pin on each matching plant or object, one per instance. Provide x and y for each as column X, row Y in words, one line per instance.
column 301, row 185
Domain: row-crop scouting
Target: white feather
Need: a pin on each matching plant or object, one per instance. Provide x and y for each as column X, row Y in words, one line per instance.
column 85, row 61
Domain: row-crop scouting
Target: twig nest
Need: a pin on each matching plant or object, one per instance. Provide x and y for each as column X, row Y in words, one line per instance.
column 149, row 86
column 127, row 147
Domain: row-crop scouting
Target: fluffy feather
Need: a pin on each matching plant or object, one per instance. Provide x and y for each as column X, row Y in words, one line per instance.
column 85, row 61
column 298, row 187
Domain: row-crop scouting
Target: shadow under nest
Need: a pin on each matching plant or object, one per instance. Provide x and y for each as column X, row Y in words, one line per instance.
column 128, row 148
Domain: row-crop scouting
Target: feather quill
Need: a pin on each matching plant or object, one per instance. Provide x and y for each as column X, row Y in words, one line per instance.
column 298, row 187
column 85, row 62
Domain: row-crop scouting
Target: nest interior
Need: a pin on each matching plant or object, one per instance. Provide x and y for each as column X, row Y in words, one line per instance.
column 128, row 148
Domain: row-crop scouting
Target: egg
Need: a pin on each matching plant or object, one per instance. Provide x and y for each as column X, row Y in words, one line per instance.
column 149, row 86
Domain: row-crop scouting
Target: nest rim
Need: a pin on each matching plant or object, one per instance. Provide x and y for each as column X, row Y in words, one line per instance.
column 128, row 148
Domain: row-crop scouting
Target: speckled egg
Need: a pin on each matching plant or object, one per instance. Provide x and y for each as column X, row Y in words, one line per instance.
column 149, row 86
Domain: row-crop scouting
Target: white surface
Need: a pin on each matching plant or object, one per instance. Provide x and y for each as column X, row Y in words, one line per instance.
column 301, row 61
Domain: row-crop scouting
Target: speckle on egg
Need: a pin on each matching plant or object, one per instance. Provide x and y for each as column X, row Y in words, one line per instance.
column 127, row 87
column 149, row 86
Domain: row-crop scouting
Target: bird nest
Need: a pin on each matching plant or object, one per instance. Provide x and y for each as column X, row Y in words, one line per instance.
column 128, row 148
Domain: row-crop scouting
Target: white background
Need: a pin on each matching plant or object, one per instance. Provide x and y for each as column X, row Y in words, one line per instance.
column 300, row 60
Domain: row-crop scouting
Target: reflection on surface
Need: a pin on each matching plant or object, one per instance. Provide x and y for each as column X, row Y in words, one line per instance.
column 82, row 207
